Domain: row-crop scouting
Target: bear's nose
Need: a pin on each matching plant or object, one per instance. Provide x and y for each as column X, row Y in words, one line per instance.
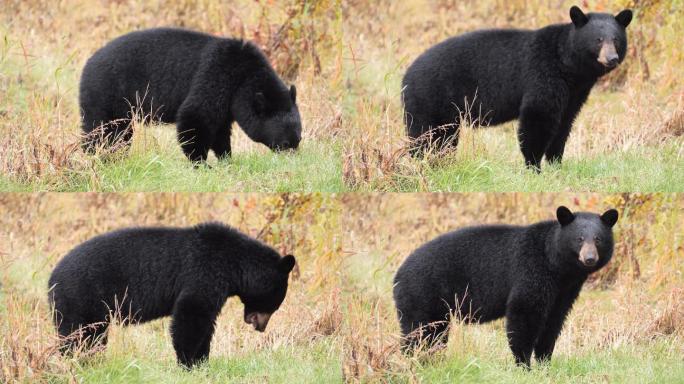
column 590, row 260
column 613, row 61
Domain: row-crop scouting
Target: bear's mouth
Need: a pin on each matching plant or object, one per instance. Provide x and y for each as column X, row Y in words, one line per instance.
column 609, row 65
column 258, row 319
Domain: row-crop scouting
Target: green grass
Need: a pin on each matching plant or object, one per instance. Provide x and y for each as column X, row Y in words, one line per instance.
column 313, row 363
column 657, row 362
column 643, row 169
column 314, row 167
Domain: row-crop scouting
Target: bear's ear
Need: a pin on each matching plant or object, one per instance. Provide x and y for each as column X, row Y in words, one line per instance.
column 578, row 17
column 286, row 263
column 293, row 94
column 564, row 215
column 624, row 18
column 610, row 217
column 259, row 102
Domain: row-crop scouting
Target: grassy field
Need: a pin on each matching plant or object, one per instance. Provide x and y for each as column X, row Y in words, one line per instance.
column 338, row 323
column 628, row 137
column 43, row 48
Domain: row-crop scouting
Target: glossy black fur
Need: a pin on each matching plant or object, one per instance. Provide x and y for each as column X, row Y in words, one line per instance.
column 142, row 274
column 201, row 82
column 529, row 274
column 540, row 77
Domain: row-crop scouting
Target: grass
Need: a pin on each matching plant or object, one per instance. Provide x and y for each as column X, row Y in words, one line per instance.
column 314, row 365
column 163, row 167
column 640, row 169
column 657, row 362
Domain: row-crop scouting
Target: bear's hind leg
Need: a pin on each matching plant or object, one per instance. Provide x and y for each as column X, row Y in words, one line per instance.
column 94, row 127
column 75, row 335
column 424, row 330
column 192, row 327
column 426, row 135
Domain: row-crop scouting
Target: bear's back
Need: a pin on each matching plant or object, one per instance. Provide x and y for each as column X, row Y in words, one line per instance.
column 124, row 253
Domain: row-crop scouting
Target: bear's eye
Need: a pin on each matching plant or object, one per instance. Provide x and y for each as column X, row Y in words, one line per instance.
column 597, row 240
column 599, row 39
column 580, row 239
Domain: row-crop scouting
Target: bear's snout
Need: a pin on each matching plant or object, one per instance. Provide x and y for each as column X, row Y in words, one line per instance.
column 588, row 254
column 258, row 319
column 608, row 56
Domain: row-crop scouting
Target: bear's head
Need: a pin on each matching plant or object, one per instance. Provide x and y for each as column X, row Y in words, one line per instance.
column 584, row 242
column 265, row 291
column 267, row 112
column 599, row 40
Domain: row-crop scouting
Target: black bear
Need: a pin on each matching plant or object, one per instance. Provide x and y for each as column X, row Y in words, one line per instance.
column 541, row 77
column 201, row 82
column 529, row 274
column 148, row 273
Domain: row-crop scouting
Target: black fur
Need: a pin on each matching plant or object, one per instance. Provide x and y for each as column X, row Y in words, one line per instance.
column 201, row 82
column 529, row 274
column 148, row 273
column 541, row 77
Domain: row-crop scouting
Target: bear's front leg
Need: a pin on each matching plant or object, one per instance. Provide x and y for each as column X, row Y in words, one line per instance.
column 192, row 327
column 221, row 144
column 556, row 148
column 538, row 125
column 554, row 323
column 193, row 136
column 554, row 153
column 204, row 347
column 524, row 321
